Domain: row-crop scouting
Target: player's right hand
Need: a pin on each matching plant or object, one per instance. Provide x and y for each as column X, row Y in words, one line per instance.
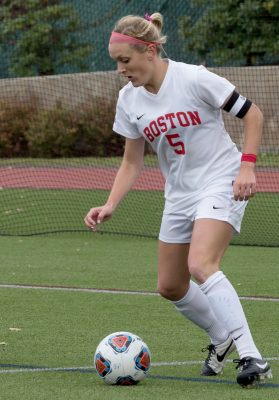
column 97, row 215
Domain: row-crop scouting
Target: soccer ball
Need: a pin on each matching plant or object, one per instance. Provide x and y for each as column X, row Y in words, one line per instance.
column 122, row 358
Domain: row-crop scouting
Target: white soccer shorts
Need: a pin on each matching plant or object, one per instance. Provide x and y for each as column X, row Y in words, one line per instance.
column 177, row 227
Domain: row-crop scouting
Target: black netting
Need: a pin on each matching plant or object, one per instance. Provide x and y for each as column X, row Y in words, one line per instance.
column 58, row 91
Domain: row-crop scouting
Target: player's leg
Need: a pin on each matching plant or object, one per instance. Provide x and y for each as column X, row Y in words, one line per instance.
column 173, row 274
column 210, row 239
column 174, row 284
column 174, row 279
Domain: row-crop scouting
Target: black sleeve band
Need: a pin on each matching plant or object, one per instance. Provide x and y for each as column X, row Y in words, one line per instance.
column 232, row 100
column 237, row 105
column 244, row 109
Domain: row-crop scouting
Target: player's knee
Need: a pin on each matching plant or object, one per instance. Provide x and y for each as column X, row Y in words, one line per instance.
column 201, row 268
column 172, row 292
column 166, row 291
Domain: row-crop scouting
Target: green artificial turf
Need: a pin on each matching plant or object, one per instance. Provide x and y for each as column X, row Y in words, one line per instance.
column 48, row 335
column 50, row 329
column 39, row 211
column 120, row 262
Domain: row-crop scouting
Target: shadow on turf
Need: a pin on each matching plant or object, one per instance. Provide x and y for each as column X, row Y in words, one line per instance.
column 14, row 368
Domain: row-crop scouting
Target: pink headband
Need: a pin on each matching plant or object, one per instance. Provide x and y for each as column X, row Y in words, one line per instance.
column 148, row 17
column 117, row 37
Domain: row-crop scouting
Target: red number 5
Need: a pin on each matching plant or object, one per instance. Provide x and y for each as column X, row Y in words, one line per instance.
column 179, row 145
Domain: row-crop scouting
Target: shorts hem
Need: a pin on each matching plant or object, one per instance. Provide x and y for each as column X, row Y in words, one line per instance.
column 235, row 225
column 174, row 241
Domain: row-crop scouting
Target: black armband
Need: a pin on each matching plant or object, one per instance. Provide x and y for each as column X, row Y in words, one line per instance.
column 237, row 105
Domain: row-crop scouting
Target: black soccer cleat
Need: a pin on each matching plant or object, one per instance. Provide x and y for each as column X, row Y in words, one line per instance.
column 252, row 370
column 217, row 355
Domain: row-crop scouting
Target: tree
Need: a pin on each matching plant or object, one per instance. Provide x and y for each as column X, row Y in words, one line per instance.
column 41, row 36
column 234, row 32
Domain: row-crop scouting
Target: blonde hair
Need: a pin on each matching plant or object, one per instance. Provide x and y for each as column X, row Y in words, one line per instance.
column 143, row 29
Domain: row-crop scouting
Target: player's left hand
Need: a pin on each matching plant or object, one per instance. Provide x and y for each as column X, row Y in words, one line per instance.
column 244, row 186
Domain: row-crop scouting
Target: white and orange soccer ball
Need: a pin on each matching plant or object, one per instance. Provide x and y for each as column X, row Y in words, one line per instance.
column 122, row 358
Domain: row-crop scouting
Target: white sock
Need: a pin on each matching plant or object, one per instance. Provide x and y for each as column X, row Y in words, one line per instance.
column 227, row 307
column 196, row 307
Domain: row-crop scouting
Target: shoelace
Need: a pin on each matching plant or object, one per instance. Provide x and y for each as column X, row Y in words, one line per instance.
column 212, row 350
column 241, row 363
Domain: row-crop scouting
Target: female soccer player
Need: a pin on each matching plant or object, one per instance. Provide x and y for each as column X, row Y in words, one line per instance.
column 176, row 108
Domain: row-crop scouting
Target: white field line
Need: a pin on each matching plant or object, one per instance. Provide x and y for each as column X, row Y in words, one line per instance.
column 91, row 368
column 178, row 363
column 114, row 291
column 59, row 369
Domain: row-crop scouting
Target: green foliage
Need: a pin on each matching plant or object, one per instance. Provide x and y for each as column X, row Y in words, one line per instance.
column 26, row 130
column 235, row 32
column 14, row 123
column 52, row 133
column 42, row 36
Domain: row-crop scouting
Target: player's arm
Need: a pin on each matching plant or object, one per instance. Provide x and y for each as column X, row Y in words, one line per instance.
column 128, row 172
column 245, row 183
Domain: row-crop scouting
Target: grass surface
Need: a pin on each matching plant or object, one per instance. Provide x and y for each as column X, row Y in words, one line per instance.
column 58, row 329
column 33, row 211
column 108, row 261
column 63, row 330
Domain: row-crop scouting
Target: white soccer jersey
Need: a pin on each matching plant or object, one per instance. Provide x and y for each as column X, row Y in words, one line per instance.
column 184, row 125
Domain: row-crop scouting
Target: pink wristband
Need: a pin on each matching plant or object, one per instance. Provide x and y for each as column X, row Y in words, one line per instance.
column 249, row 157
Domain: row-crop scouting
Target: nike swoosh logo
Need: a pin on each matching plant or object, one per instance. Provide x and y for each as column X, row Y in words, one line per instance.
column 235, row 338
column 221, row 357
column 262, row 366
column 217, row 208
column 140, row 117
